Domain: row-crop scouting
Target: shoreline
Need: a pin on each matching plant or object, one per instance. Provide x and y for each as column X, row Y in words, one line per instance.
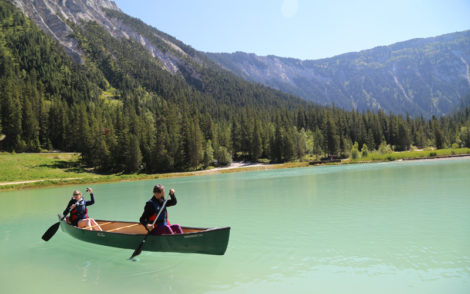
column 444, row 157
column 233, row 168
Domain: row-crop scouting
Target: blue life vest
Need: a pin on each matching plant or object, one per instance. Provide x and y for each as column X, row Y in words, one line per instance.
column 79, row 212
column 163, row 217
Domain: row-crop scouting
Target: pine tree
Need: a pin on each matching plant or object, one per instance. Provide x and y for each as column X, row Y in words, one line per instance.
column 318, row 142
column 331, row 136
column 192, row 143
column 161, row 160
column 370, row 141
column 11, row 117
column 439, row 138
column 300, row 143
column 403, row 140
column 208, row 154
column 256, row 143
column 246, row 136
column 197, row 140
column 276, row 145
column 31, row 128
column 133, row 155
column 236, row 137
column 288, row 145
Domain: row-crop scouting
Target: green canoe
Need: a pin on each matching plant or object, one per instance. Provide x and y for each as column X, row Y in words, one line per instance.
column 129, row 235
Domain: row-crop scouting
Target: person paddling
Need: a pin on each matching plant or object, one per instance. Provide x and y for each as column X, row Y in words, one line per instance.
column 153, row 207
column 79, row 213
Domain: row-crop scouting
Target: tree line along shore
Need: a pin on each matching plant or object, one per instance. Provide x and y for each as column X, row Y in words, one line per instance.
column 35, row 170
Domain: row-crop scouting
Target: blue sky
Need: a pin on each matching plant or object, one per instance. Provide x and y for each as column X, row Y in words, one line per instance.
column 304, row 29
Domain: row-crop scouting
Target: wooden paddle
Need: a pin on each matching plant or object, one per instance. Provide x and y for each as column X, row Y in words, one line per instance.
column 52, row 230
column 141, row 245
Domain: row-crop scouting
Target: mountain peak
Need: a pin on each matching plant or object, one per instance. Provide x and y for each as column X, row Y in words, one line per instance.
column 51, row 17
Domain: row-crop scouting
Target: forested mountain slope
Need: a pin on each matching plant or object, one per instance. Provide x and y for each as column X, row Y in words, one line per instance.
column 115, row 99
column 420, row 77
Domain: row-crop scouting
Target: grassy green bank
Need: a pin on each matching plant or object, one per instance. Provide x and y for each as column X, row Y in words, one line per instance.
column 412, row 155
column 31, row 170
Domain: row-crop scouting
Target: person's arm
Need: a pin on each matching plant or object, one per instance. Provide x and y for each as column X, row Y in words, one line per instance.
column 92, row 201
column 172, row 201
column 148, row 211
column 67, row 209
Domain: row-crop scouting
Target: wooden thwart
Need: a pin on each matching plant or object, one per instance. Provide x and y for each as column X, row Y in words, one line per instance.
column 116, row 229
column 86, row 228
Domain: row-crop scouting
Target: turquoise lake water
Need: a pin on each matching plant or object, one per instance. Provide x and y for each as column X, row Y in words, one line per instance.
column 401, row 227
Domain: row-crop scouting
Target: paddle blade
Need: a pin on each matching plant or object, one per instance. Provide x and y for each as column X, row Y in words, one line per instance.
column 51, row 231
column 139, row 249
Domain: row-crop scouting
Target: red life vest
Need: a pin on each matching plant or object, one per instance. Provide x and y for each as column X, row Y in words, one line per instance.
column 166, row 221
column 79, row 212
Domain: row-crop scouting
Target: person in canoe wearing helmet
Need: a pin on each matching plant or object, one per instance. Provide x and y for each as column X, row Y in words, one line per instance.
column 153, row 207
column 79, row 213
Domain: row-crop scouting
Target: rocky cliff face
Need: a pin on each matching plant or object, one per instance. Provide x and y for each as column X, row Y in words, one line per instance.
column 422, row 76
column 52, row 17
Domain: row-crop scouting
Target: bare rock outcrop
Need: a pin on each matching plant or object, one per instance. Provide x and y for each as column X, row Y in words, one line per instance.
column 52, row 17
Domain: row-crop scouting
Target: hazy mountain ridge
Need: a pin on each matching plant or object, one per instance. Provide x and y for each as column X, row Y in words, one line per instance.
column 420, row 76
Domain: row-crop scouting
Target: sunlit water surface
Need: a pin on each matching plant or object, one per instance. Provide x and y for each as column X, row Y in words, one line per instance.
column 399, row 227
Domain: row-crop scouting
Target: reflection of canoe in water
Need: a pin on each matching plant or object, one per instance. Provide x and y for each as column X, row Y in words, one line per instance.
column 129, row 235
